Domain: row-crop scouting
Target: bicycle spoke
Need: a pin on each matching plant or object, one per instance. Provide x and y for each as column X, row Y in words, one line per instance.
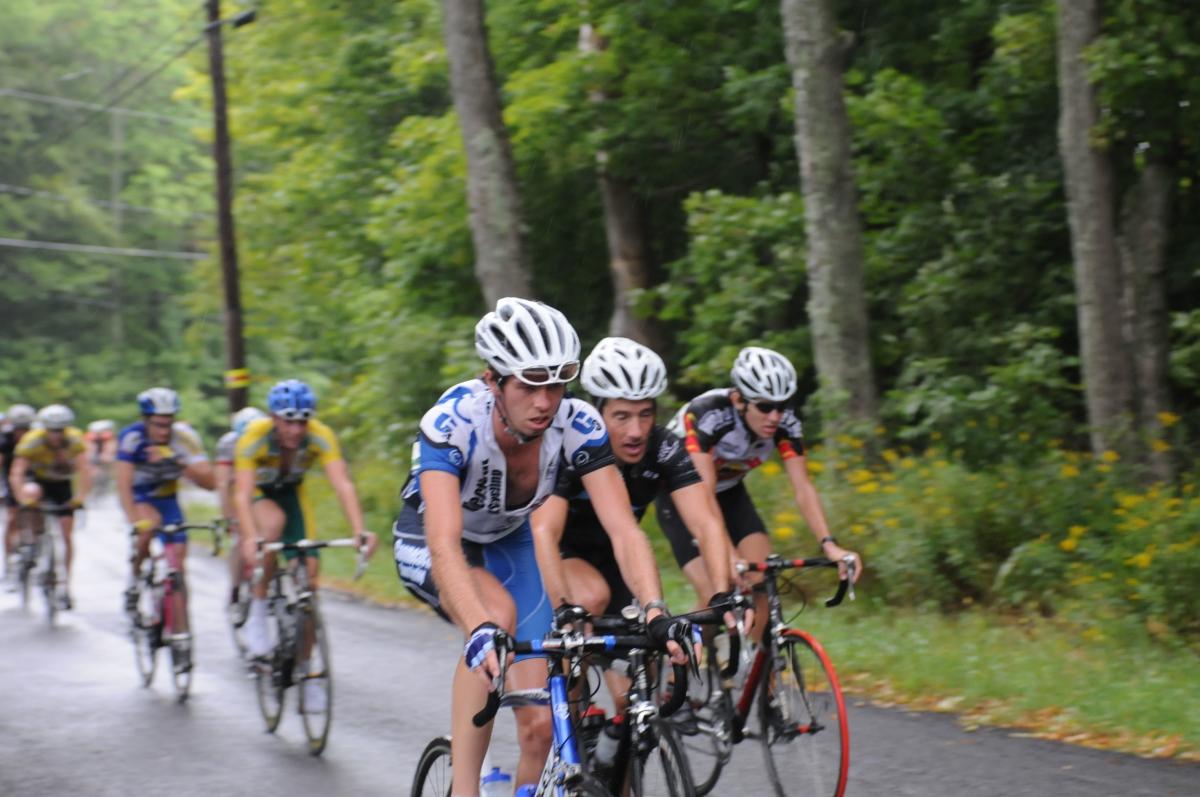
column 314, row 679
column 434, row 775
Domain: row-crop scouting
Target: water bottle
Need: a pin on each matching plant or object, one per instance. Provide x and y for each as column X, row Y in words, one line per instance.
column 496, row 783
column 610, row 737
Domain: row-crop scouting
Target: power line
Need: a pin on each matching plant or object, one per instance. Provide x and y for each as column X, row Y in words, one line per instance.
column 30, row 192
column 20, row 243
column 67, row 102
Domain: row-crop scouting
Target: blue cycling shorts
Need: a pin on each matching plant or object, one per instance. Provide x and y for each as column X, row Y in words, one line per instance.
column 510, row 559
column 169, row 509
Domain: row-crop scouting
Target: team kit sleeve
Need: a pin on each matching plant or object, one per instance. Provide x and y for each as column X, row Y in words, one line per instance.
column 128, row 443
column 705, row 421
column 29, row 444
column 443, row 441
column 789, row 437
column 75, row 442
column 673, row 462
column 324, row 441
column 190, row 445
column 585, row 441
column 250, row 443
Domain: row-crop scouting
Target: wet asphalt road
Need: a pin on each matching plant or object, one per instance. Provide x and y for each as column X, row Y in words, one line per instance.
column 74, row 719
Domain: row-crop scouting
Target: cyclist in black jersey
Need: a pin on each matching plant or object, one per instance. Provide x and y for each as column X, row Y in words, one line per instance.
column 728, row 432
column 17, row 422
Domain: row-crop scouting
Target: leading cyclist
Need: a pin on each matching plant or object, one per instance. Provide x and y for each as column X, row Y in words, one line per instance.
column 487, row 455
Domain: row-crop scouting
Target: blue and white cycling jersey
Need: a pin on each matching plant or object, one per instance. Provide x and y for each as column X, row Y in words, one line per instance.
column 157, row 468
column 456, row 436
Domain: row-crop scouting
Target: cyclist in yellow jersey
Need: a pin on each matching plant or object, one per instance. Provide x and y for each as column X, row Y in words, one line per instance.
column 44, row 463
column 270, row 461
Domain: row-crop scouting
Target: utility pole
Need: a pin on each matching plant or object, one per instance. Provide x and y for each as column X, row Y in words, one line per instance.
column 237, row 377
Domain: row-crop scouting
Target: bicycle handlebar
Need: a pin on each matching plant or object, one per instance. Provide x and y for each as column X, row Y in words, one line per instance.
column 775, row 563
column 309, row 545
column 570, row 644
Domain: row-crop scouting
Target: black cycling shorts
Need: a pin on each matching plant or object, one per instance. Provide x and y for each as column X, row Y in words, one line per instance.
column 599, row 554
column 57, row 493
column 741, row 520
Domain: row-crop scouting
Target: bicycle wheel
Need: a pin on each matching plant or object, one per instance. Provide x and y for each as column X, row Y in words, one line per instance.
column 26, row 565
column 706, row 731
column 586, row 786
column 270, row 677
column 314, row 679
column 659, row 766
column 434, row 776
column 146, row 632
column 802, row 712
column 49, row 578
column 181, row 654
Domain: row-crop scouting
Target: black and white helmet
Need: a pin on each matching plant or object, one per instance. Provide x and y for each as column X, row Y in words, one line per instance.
column 763, row 374
column 55, row 416
column 620, row 368
column 21, row 415
column 529, row 340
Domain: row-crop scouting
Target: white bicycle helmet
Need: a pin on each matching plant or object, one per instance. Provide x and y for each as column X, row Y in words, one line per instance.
column 243, row 417
column 55, row 416
column 158, row 401
column 529, row 340
column 21, row 415
column 620, row 368
column 101, row 426
column 763, row 374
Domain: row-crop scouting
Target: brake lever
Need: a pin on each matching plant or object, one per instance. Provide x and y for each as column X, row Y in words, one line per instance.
column 850, row 568
column 361, row 565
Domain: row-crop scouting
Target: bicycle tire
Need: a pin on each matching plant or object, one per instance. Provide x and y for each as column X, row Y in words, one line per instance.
column 145, row 632
column 182, row 652
column 802, row 713
column 587, row 786
column 706, row 731
column 236, row 614
column 50, row 578
column 269, row 680
column 434, row 775
column 28, row 559
column 663, row 769
column 319, row 672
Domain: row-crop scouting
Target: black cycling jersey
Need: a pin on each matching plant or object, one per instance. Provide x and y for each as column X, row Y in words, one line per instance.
column 711, row 423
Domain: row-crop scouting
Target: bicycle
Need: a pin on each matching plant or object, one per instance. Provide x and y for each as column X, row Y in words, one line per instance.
column 568, row 771
column 159, row 618
column 220, row 532
column 802, row 722
column 37, row 551
column 301, row 651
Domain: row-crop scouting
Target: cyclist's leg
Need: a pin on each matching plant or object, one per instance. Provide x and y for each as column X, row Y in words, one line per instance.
column 511, row 560
column 145, row 509
column 597, row 586
column 270, row 518
column 298, row 527
column 60, row 493
column 175, row 550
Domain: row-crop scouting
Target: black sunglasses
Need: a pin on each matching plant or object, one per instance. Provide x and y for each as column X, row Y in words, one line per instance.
column 767, row 407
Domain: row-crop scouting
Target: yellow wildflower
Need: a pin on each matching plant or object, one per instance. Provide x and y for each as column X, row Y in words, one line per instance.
column 890, row 455
column 1160, row 446
column 1141, row 560
column 859, row 476
column 1069, row 544
column 1104, row 468
column 785, row 517
column 1023, row 437
column 772, row 468
column 1069, row 471
column 857, row 528
column 1077, row 531
column 892, row 523
column 784, row 532
column 815, row 466
column 891, row 488
column 869, row 487
column 1110, row 456
column 1168, row 418
column 1129, row 500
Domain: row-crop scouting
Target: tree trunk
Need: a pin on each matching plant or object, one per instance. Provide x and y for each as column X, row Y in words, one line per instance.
column 1141, row 248
column 492, row 193
column 1088, row 178
column 623, row 229
column 837, row 307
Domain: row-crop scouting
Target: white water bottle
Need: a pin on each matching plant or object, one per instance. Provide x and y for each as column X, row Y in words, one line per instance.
column 496, row 783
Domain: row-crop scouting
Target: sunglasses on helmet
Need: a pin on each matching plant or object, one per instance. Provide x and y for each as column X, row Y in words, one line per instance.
column 292, row 414
column 563, row 372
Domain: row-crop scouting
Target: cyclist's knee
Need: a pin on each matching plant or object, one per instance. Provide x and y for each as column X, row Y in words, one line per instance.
column 535, row 731
column 31, row 491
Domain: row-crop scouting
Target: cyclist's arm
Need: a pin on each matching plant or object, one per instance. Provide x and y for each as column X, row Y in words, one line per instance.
column 84, row 469
column 696, row 509
column 635, row 558
column 243, row 500
column 443, row 535
column 809, row 503
column 223, row 472
column 339, row 478
column 201, row 474
column 548, row 523
column 16, row 477
column 124, row 475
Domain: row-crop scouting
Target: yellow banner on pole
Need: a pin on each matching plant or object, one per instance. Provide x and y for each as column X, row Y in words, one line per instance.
column 237, row 377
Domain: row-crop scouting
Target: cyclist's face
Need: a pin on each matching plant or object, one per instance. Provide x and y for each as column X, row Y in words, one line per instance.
column 629, row 424
column 530, row 409
column 290, row 433
column 158, row 428
column 763, row 424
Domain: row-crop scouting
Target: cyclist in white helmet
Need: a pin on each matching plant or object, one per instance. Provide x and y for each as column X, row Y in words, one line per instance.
column 17, row 422
column 579, row 563
column 487, row 455
column 730, row 431
column 45, row 461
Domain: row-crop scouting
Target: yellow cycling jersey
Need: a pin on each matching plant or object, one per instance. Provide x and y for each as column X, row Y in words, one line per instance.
column 50, row 463
column 258, row 450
